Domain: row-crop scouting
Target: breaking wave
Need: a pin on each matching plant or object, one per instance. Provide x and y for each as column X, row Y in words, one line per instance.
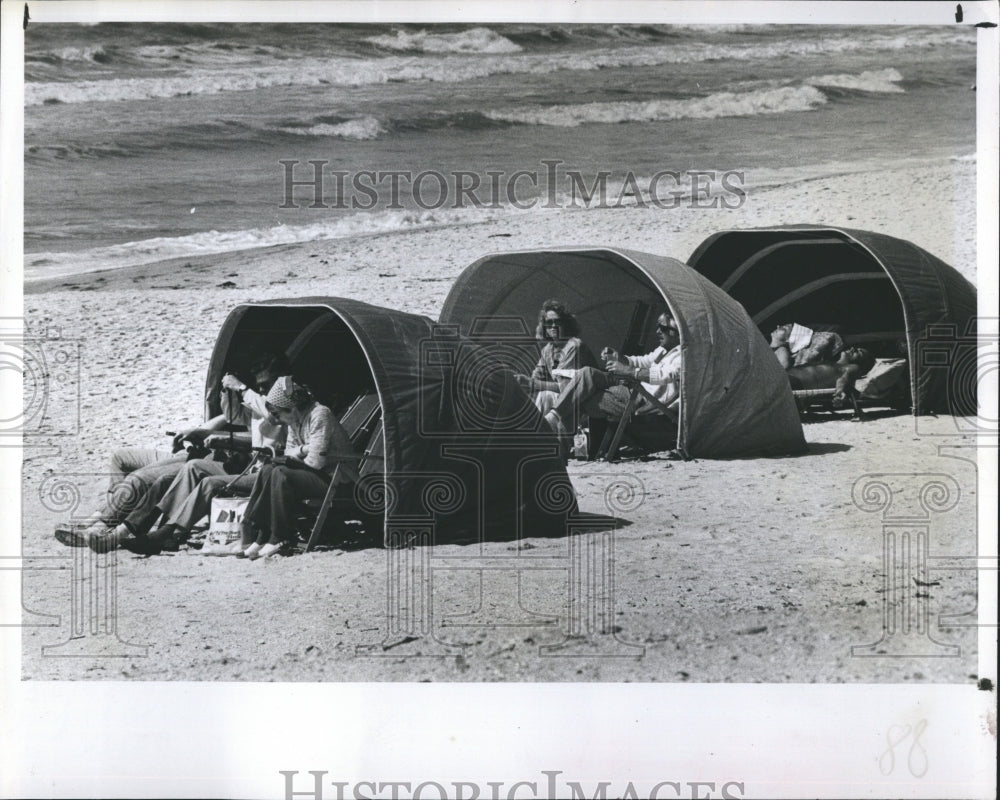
column 721, row 104
column 473, row 40
column 439, row 57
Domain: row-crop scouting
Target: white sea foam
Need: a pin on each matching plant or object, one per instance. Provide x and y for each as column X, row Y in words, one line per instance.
column 358, row 129
column 449, row 68
column 474, row 40
column 147, row 251
column 881, row 81
column 721, row 104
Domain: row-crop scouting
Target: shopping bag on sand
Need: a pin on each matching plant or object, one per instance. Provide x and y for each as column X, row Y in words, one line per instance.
column 225, row 522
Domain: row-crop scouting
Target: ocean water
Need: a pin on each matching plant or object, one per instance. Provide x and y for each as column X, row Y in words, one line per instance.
column 153, row 141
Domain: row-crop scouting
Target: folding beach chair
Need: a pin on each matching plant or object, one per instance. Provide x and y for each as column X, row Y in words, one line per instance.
column 659, row 426
column 339, row 501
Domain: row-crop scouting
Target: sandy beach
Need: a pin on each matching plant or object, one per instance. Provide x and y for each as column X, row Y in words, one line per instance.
column 739, row 571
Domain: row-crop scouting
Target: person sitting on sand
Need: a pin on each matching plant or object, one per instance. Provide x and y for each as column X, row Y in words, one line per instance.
column 851, row 364
column 186, row 498
column 316, row 441
column 560, row 332
column 598, row 394
column 134, row 471
column 798, row 346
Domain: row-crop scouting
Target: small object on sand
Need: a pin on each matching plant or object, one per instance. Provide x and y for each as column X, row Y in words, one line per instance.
column 227, row 285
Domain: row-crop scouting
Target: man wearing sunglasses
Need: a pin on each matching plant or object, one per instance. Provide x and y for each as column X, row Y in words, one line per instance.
column 600, row 393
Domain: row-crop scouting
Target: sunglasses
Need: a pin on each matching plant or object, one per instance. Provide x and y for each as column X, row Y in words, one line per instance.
column 552, row 323
column 666, row 328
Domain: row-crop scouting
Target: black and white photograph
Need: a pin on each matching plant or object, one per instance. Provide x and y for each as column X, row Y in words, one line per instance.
column 352, row 348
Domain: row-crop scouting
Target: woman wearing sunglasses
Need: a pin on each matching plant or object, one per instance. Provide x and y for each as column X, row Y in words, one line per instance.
column 559, row 332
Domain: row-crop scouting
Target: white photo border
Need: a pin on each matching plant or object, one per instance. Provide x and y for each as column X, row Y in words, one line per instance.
column 127, row 739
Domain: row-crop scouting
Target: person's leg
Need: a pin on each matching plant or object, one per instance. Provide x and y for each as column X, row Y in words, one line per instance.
column 545, row 399
column 288, row 488
column 583, row 386
column 126, row 460
column 257, row 514
column 136, row 495
column 186, row 483
column 611, row 403
column 147, row 511
column 199, row 502
column 131, row 493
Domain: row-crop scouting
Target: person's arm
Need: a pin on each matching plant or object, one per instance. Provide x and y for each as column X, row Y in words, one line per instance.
column 251, row 403
column 541, row 378
column 541, row 370
column 569, row 358
column 845, row 381
column 634, row 366
column 641, row 362
column 322, row 431
column 779, row 344
column 254, row 403
column 784, row 356
column 198, row 431
column 665, row 372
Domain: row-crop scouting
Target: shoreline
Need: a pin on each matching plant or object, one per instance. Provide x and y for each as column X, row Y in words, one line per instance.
column 957, row 171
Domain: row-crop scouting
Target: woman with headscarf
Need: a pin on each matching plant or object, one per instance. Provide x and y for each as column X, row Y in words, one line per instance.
column 559, row 331
column 316, row 441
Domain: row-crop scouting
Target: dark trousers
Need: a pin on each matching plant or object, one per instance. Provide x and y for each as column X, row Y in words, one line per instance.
column 277, row 493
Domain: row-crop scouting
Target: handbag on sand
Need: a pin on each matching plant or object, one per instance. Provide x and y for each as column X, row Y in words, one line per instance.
column 225, row 523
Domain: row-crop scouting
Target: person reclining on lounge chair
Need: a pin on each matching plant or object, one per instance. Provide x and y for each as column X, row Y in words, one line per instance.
column 187, row 498
column 841, row 374
column 798, row 346
column 598, row 394
column 560, row 332
column 316, row 441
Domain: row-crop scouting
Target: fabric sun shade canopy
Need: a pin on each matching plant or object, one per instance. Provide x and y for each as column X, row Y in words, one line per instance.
column 735, row 398
column 875, row 290
column 466, row 454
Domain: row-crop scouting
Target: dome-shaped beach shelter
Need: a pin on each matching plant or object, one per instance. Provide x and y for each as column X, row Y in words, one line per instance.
column 465, row 460
column 877, row 290
column 735, row 398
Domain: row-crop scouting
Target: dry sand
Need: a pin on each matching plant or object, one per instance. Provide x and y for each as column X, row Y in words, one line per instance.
column 746, row 570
